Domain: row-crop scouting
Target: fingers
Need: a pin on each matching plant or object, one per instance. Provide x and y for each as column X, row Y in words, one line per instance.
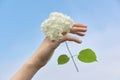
column 79, row 29
column 70, row 38
column 79, row 25
column 80, row 33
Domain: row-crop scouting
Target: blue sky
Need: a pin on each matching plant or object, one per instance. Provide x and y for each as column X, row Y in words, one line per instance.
column 20, row 35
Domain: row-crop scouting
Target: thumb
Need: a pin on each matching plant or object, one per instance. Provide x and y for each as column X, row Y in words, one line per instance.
column 70, row 38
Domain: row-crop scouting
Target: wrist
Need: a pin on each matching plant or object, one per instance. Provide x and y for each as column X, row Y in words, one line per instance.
column 51, row 44
column 43, row 53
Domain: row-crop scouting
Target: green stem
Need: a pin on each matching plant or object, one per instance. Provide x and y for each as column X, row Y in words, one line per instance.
column 71, row 56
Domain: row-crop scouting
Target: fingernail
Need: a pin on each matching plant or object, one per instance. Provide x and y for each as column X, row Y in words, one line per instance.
column 80, row 42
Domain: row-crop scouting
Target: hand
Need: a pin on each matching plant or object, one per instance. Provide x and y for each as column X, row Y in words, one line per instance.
column 78, row 29
column 45, row 51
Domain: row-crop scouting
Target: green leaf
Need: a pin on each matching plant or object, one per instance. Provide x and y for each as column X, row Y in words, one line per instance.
column 63, row 59
column 87, row 56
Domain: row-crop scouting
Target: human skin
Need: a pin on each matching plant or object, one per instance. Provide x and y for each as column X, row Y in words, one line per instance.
column 45, row 51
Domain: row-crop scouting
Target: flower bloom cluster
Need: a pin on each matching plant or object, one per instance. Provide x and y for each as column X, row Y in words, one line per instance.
column 55, row 25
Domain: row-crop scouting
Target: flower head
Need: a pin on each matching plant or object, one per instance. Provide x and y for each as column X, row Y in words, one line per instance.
column 55, row 25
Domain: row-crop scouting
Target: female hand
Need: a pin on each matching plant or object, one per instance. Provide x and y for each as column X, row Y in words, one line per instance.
column 45, row 51
column 78, row 29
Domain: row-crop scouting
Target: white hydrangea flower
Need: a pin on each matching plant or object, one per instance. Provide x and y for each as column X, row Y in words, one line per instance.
column 55, row 25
